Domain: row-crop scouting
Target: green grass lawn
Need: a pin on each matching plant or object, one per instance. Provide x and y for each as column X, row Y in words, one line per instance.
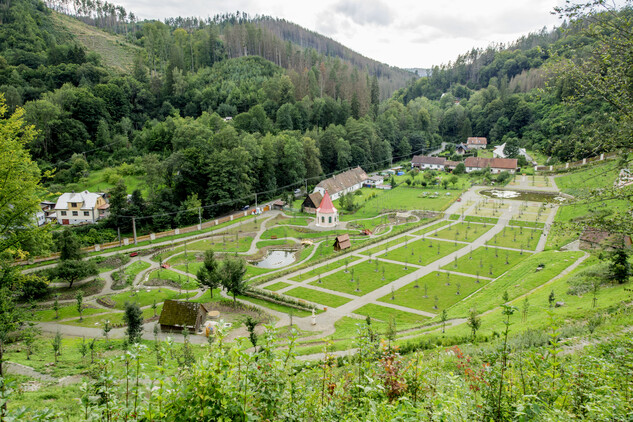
column 422, row 251
column 253, row 271
column 517, row 237
column 135, row 268
column 463, row 231
column 276, row 306
column 265, row 243
column 592, row 177
column 70, row 311
column 218, row 244
column 366, row 278
column 518, row 281
column 436, row 287
column 95, row 182
column 431, row 228
column 487, row 263
column 277, row 286
column 323, row 269
column 302, row 233
column 376, row 202
column 382, row 313
column 144, row 298
column 114, row 318
column 316, row 296
column 532, row 224
column 186, row 284
column 294, row 221
column 479, row 219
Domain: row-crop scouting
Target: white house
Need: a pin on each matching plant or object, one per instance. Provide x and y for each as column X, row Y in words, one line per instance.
column 343, row 183
column 476, row 143
column 496, row 165
column 425, row 163
column 80, row 208
column 498, row 152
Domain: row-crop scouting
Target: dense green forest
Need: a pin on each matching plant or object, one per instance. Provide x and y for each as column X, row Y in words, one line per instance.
column 296, row 113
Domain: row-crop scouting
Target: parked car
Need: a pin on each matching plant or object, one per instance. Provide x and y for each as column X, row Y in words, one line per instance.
column 245, row 207
column 133, row 254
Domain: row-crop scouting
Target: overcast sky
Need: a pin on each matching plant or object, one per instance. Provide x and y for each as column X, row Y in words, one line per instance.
column 403, row 33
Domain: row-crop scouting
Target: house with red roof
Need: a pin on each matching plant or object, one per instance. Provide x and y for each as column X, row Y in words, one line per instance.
column 496, row 165
column 476, row 143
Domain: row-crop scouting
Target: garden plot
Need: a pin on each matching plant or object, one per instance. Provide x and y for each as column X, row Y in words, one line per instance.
column 487, row 262
column 362, row 278
column 324, row 269
column 422, row 251
column 317, row 296
column 434, row 292
column 464, row 231
column 517, row 238
column 437, row 226
column 527, row 217
column 383, row 313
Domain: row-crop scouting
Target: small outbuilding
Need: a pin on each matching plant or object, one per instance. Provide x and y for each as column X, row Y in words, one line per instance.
column 279, row 204
column 342, row 242
column 312, row 202
column 177, row 315
column 327, row 215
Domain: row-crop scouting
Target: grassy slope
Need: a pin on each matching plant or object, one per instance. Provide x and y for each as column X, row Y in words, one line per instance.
column 115, row 52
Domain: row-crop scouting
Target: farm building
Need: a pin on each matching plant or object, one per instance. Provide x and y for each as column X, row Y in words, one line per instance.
column 343, row 183
column 496, row 165
column 423, row 162
column 342, row 242
column 177, row 315
column 312, row 202
column 477, row 143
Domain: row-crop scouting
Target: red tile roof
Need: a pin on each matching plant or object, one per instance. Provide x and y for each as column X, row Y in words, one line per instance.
column 326, row 207
column 497, row 163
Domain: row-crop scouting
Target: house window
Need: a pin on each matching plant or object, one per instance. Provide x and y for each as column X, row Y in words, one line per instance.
column 330, row 219
column 63, row 212
column 75, row 213
column 73, row 205
column 322, row 219
column 86, row 214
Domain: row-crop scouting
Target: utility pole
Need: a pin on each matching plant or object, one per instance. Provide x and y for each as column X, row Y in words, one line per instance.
column 134, row 228
column 200, row 216
column 118, row 230
column 255, row 201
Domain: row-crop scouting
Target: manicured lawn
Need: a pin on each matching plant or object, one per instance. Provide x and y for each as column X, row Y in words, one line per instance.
column 478, row 219
column 277, row 286
column 517, row 237
column 487, row 263
column 366, row 278
column 64, row 312
column 301, row 233
column 518, row 280
column 143, row 297
column 136, row 267
column 436, row 286
column 375, row 202
column 113, row 317
column 276, row 306
column 188, row 284
column 325, row 268
column 432, row 227
column 388, row 245
column 252, row 271
column 463, row 231
column 383, row 313
column 218, row 244
column 526, row 224
column 422, row 251
column 265, row 243
column 316, row 296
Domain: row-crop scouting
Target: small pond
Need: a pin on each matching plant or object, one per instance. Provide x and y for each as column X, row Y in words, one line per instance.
column 523, row 195
column 276, row 259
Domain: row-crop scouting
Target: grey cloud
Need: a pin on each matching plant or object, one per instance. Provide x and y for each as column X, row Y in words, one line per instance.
column 366, row 12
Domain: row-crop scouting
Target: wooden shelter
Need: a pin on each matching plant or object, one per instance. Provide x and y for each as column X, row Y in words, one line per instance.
column 177, row 315
column 312, row 202
column 279, row 204
column 342, row 242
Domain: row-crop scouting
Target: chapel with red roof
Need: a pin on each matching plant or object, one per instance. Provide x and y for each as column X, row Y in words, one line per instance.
column 327, row 215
